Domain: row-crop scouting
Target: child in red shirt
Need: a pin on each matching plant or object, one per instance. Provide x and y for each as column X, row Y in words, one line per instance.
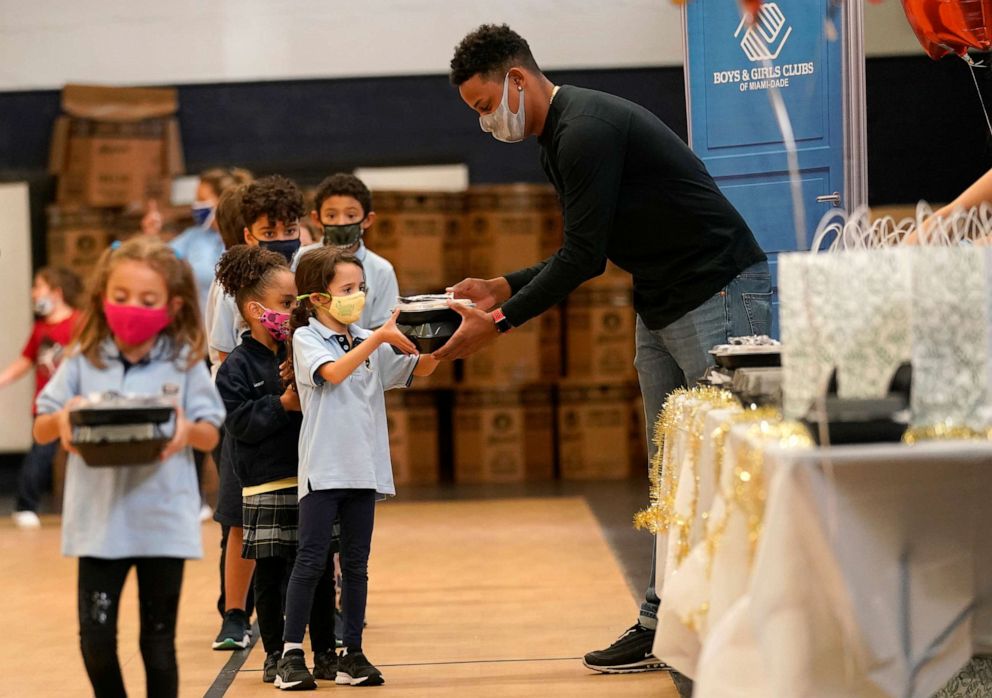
column 55, row 295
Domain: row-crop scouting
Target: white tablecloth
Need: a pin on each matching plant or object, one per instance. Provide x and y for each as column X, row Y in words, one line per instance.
column 868, row 575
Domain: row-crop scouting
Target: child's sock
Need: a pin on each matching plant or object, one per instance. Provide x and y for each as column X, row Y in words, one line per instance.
column 287, row 646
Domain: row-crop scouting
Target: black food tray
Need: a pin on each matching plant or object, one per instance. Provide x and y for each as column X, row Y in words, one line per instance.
column 874, row 431
column 430, row 336
column 121, row 453
column 735, row 361
column 94, row 416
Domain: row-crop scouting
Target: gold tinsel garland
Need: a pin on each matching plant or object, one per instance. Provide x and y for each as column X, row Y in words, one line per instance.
column 945, row 431
column 680, row 405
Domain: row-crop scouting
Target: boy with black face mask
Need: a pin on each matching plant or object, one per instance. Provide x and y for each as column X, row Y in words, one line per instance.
column 343, row 208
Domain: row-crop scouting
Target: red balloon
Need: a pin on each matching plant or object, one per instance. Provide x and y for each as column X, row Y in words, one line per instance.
column 950, row 26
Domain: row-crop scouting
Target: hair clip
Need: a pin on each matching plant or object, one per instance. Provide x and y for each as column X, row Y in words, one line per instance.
column 115, row 244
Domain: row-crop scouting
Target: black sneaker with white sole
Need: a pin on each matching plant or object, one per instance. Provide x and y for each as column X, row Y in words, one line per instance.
column 292, row 673
column 235, row 631
column 355, row 670
column 325, row 665
column 270, row 666
column 631, row 653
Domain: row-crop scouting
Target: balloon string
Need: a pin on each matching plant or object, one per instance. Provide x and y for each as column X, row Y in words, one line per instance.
column 980, row 99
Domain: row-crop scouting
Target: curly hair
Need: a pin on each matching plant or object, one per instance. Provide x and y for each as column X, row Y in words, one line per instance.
column 245, row 272
column 490, row 51
column 275, row 197
column 342, row 184
column 186, row 329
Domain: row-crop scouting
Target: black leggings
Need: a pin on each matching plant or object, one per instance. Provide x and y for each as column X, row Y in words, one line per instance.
column 271, row 579
column 318, row 510
column 100, row 583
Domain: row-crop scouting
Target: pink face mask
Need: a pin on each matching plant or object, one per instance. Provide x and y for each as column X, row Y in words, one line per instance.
column 275, row 323
column 133, row 324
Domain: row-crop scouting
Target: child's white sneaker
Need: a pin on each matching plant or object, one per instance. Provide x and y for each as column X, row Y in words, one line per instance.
column 26, row 519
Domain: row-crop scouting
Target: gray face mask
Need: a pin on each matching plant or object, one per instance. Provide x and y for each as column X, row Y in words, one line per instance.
column 44, row 306
column 501, row 122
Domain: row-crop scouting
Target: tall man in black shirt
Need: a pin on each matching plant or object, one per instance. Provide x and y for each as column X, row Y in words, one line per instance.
column 632, row 192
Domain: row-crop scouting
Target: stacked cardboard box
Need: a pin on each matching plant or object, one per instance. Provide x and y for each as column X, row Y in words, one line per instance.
column 421, row 234
column 112, row 151
column 413, row 436
column 595, row 427
column 504, row 435
column 115, row 146
column 599, row 346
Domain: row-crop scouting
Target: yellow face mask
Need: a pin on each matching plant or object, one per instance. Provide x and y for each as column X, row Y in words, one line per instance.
column 344, row 309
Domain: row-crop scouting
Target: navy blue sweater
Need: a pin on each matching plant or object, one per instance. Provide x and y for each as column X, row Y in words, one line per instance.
column 262, row 438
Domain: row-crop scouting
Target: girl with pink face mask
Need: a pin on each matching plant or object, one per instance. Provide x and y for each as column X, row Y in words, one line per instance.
column 261, row 446
column 140, row 334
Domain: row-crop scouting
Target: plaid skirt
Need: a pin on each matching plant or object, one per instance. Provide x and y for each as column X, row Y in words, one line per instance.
column 270, row 524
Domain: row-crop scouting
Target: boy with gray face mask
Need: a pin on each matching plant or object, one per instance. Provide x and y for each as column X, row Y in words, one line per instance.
column 343, row 209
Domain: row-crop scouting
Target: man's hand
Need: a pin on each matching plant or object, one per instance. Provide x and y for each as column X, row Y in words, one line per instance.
column 486, row 294
column 476, row 331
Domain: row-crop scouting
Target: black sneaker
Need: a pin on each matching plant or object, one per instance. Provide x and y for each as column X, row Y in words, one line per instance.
column 631, row 653
column 235, row 631
column 270, row 666
column 355, row 670
column 292, row 673
column 325, row 665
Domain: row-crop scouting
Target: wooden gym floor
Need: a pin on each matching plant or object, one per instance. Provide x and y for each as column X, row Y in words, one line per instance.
column 468, row 597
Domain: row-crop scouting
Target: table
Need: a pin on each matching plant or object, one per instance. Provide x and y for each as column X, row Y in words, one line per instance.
column 798, row 571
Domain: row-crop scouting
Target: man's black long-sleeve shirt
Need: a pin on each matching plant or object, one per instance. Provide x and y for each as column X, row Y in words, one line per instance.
column 634, row 193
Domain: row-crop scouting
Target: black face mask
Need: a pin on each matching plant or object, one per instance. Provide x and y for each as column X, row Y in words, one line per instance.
column 342, row 235
column 287, row 248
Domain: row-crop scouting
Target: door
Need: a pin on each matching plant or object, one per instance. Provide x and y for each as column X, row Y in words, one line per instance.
column 731, row 66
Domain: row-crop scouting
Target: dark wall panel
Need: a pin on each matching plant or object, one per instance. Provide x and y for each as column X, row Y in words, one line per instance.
column 927, row 136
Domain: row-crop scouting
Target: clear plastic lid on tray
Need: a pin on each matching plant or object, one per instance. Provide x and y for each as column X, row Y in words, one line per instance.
column 753, row 344
column 430, row 301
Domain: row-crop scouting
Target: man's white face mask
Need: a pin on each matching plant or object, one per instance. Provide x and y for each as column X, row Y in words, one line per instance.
column 501, row 122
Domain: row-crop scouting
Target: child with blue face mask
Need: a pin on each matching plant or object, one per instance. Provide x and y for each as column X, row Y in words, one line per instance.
column 201, row 245
column 341, row 372
column 140, row 334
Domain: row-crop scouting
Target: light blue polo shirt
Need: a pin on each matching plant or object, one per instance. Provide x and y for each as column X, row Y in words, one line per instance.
column 202, row 248
column 382, row 289
column 344, row 443
column 144, row 510
column 224, row 324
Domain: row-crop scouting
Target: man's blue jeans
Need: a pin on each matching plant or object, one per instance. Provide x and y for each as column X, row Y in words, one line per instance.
column 678, row 355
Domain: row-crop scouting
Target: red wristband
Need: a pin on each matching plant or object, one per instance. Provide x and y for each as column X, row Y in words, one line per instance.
column 502, row 324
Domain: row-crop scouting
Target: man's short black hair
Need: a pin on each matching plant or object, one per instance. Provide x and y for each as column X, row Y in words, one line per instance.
column 342, row 184
column 491, row 50
column 276, row 197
